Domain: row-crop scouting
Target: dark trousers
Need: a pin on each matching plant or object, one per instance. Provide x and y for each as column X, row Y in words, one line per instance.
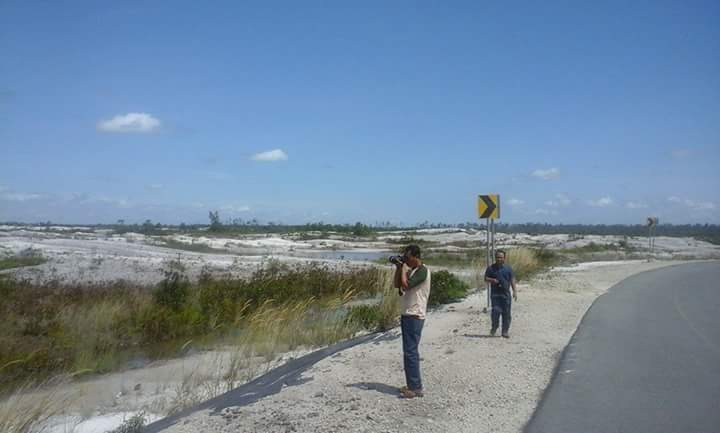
column 501, row 307
column 411, row 330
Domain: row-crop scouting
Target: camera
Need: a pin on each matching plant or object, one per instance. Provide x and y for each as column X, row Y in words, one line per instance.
column 396, row 260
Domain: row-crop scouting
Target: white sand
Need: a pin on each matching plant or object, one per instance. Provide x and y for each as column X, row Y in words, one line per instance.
column 100, row 256
column 473, row 383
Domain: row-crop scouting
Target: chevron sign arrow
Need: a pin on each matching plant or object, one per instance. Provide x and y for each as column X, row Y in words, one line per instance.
column 489, row 206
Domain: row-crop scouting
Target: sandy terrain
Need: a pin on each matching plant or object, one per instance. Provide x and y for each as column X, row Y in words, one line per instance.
column 91, row 257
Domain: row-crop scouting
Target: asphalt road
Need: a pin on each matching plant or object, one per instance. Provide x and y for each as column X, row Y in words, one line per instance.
column 645, row 358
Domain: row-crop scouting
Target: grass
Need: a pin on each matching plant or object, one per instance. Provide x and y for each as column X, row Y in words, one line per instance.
column 465, row 258
column 54, row 328
column 407, row 240
column 194, row 247
column 134, row 424
column 29, row 408
column 593, row 247
column 21, row 261
column 525, row 262
column 712, row 238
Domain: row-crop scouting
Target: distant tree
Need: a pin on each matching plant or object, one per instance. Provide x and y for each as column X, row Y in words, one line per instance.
column 215, row 225
column 147, row 227
column 360, row 229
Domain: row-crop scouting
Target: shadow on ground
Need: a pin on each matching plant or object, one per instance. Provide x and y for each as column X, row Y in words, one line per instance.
column 375, row 386
column 271, row 382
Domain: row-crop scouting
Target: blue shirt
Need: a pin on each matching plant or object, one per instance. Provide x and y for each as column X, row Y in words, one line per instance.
column 504, row 275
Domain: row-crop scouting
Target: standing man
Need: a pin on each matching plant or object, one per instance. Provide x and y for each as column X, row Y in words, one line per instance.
column 412, row 279
column 501, row 277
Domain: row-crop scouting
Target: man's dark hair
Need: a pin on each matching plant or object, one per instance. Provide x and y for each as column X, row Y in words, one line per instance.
column 413, row 250
column 501, row 252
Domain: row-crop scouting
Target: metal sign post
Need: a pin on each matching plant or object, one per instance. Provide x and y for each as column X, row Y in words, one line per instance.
column 488, row 262
column 652, row 223
column 489, row 209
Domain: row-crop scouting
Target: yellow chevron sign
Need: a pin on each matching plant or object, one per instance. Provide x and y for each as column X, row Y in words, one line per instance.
column 489, row 206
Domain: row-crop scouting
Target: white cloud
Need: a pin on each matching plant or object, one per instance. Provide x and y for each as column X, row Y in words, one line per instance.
column 3, row 188
column 157, row 186
column 703, row 205
column 235, row 208
column 545, row 212
column 131, row 122
column 119, row 202
column 692, row 204
column 20, row 196
column 601, row 202
column 271, row 155
column 550, row 173
column 561, row 200
column 635, row 205
column 515, row 202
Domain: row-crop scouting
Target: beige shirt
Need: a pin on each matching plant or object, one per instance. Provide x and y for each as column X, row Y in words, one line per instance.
column 414, row 301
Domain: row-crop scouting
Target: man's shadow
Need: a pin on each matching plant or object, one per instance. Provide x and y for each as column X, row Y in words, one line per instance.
column 379, row 387
column 479, row 336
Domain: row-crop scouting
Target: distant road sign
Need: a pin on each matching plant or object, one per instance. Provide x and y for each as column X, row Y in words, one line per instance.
column 489, row 206
column 652, row 221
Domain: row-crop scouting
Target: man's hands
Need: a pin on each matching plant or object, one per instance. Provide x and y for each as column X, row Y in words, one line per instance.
column 515, row 295
column 400, row 275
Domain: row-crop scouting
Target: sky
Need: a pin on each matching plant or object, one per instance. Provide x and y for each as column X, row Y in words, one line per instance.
column 372, row 111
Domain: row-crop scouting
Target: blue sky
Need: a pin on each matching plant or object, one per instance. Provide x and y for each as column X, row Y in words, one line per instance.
column 575, row 112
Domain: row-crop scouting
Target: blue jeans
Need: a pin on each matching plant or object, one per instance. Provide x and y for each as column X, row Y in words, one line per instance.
column 411, row 331
column 501, row 307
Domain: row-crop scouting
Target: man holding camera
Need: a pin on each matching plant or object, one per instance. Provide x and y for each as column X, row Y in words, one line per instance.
column 501, row 278
column 412, row 279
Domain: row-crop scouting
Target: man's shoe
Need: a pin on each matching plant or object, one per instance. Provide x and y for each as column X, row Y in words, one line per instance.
column 505, row 335
column 493, row 332
column 409, row 393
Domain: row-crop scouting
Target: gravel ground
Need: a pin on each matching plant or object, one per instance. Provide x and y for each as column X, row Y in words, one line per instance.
column 473, row 383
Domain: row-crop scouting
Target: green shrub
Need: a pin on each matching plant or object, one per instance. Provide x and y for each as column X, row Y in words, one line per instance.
column 20, row 261
column 172, row 292
column 446, row 288
column 366, row 316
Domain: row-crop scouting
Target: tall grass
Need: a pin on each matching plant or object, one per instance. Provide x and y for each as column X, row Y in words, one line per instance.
column 275, row 328
column 53, row 328
column 32, row 406
column 525, row 262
